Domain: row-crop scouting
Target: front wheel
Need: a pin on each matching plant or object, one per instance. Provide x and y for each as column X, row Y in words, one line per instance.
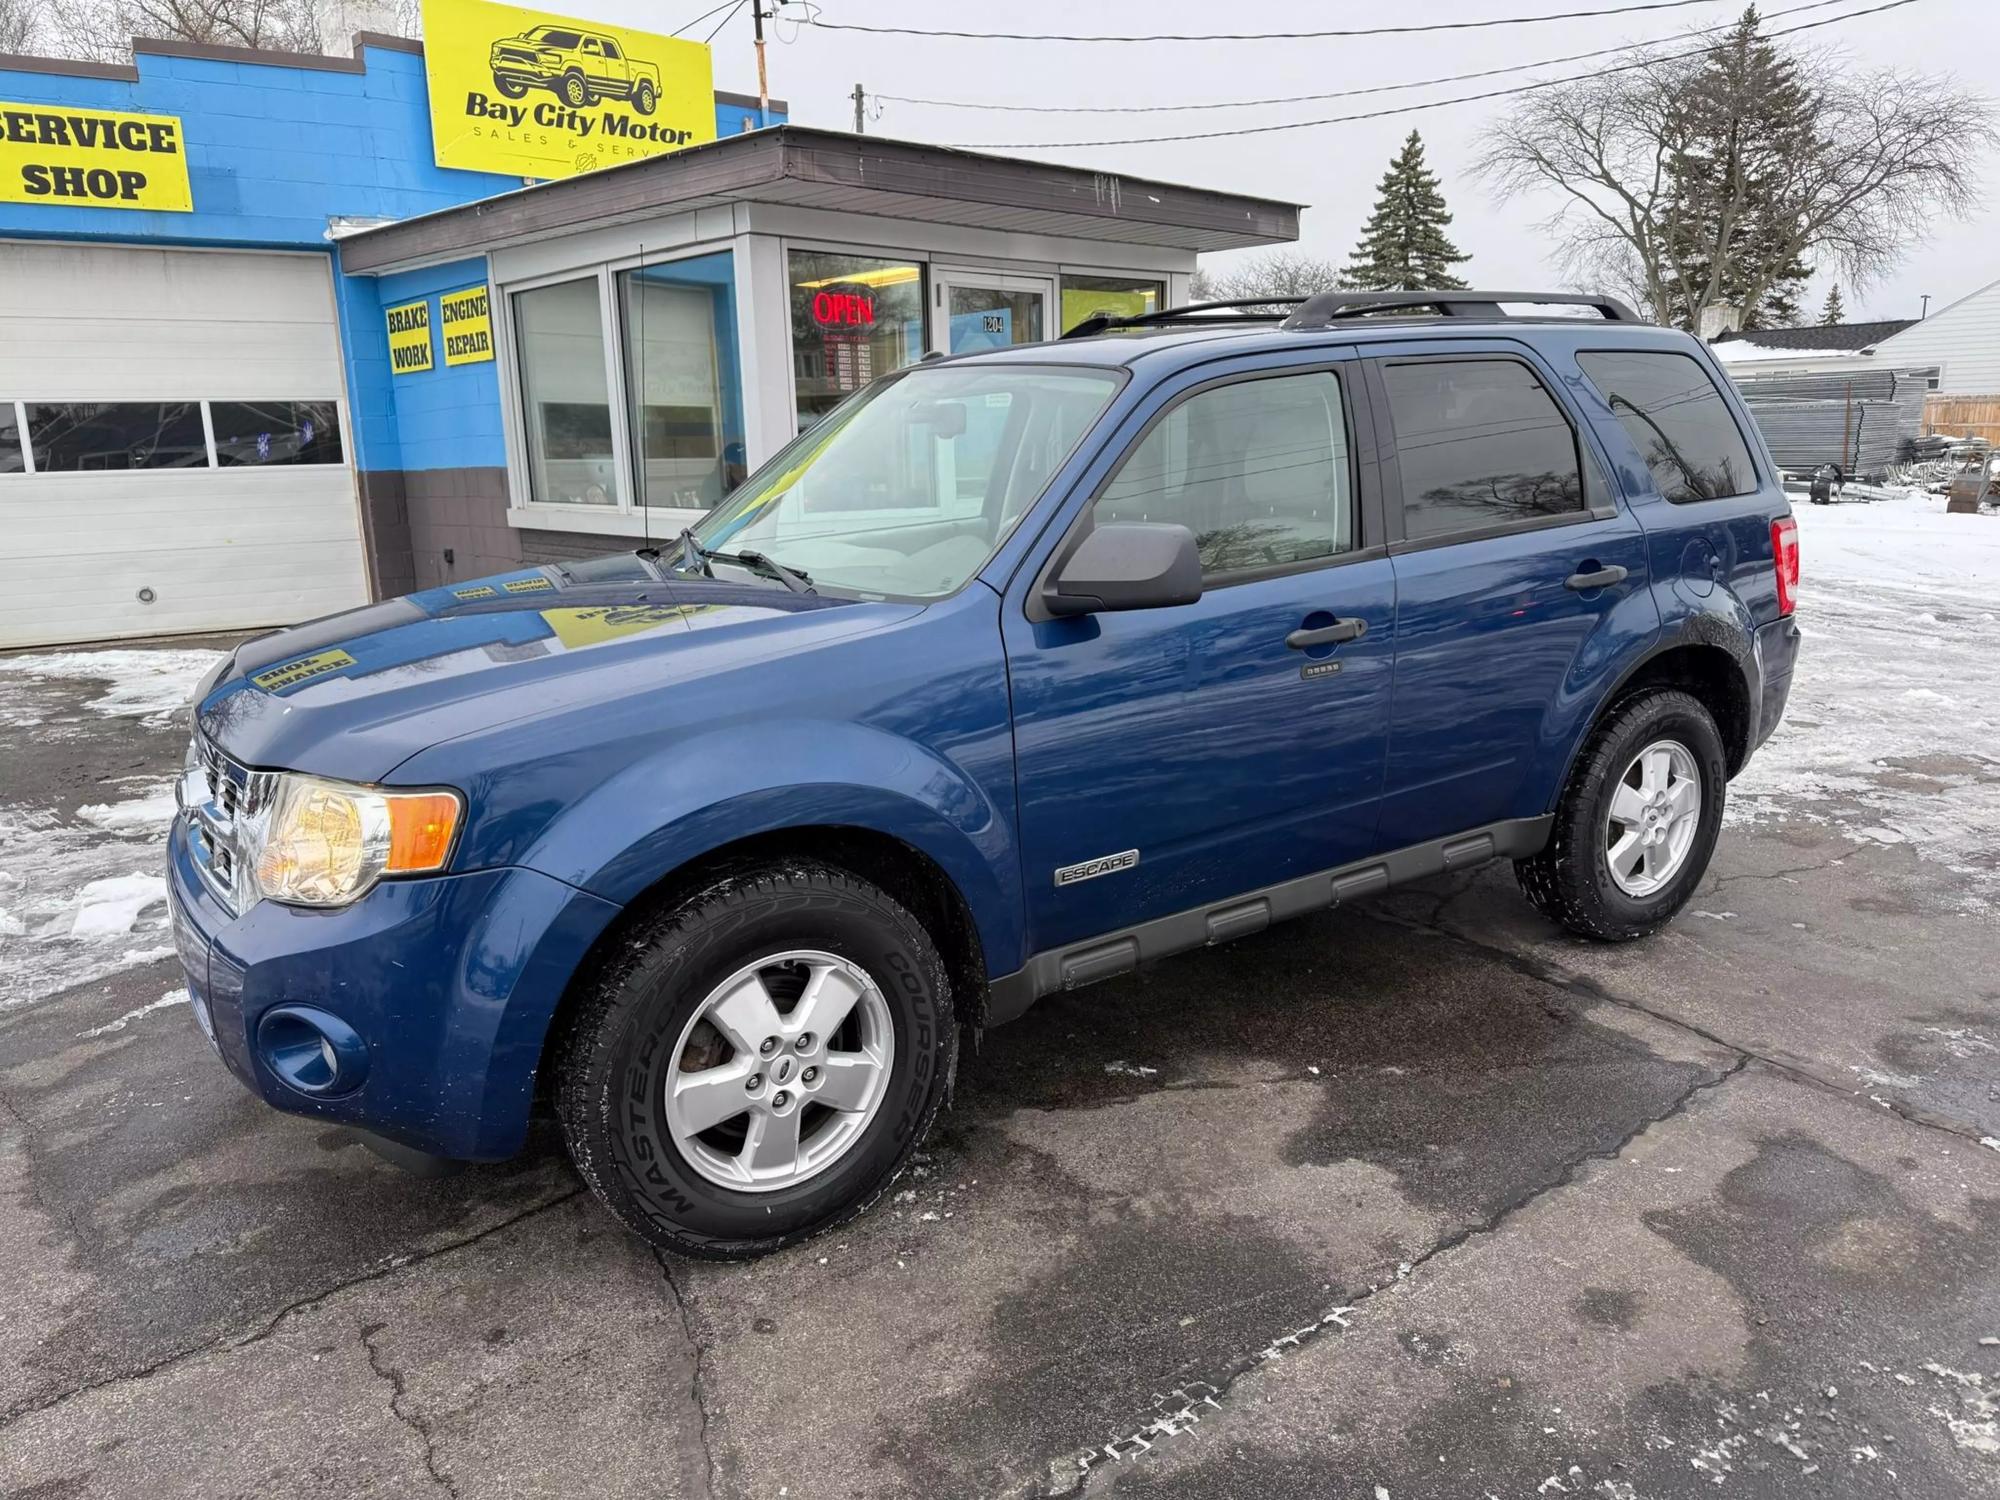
column 756, row 1065
column 575, row 92
column 512, row 88
column 1637, row 822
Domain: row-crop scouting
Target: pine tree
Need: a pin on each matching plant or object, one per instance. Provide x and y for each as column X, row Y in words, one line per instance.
column 1832, row 313
column 1403, row 246
column 1741, row 119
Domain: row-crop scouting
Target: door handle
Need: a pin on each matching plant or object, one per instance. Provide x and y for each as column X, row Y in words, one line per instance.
column 1328, row 635
column 1600, row 579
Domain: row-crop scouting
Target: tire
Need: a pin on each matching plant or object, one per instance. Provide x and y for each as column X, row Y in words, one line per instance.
column 1572, row 881
column 511, row 88
column 575, row 91
column 649, row 1022
column 644, row 99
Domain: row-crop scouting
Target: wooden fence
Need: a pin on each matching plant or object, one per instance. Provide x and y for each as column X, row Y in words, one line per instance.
column 1963, row 416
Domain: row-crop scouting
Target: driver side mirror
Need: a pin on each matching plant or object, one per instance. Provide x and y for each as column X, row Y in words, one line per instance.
column 1126, row 565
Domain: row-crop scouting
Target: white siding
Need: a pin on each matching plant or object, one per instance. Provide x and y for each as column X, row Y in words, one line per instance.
column 221, row 549
column 1963, row 340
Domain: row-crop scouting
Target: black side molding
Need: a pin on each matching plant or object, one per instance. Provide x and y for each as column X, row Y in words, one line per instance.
column 1077, row 964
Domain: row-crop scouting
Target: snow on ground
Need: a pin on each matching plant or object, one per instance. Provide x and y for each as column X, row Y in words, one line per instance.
column 171, row 997
column 151, row 686
column 1893, row 729
column 83, row 897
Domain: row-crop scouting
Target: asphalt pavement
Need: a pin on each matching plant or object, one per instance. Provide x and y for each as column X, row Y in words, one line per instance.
column 1417, row 1198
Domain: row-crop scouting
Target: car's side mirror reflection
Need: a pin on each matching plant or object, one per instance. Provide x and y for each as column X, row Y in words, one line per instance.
column 1127, row 565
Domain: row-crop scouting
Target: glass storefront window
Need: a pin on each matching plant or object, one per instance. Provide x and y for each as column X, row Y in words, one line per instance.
column 565, row 392
column 1120, row 296
column 11, row 460
column 82, row 436
column 853, row 317
column 274, row 432
column 684, row 380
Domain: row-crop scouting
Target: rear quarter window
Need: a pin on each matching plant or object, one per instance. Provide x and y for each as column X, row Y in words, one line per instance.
column 1677, row 419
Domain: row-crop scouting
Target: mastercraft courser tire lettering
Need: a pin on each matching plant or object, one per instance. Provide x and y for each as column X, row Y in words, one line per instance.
column 1611, row 795
column 683, row 1001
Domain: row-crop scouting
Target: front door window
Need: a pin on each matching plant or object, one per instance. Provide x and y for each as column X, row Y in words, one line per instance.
column 986, row 311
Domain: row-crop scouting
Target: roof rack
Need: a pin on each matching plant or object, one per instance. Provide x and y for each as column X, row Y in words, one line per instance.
column 1190, row 313
column 1324, row 309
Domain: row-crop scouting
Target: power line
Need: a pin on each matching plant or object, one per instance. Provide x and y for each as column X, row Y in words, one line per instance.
column 724, row 21
column 1380, row 88
column 690, row 26
column 1406, row 109
column 1261, row 36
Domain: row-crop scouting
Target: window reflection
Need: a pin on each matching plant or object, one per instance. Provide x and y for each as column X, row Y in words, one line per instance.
column 78, row 436
column 853, row 318
column 684, row 379
column 1480, row 443
column 566, row 394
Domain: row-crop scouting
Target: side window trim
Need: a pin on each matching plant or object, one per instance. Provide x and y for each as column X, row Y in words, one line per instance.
column 1590, row 467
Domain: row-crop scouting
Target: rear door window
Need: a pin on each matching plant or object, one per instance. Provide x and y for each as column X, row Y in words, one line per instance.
column 1480, row 443
column 1677, row 419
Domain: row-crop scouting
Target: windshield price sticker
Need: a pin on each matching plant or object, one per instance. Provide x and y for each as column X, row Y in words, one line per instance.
column 92, row 158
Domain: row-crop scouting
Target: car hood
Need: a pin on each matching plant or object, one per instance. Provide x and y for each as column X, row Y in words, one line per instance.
column 354, row 695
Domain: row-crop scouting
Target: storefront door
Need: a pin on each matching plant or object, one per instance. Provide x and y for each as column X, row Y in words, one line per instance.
column 989, row 310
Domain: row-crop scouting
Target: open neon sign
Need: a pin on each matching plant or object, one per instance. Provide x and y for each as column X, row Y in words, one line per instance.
column 843, row 310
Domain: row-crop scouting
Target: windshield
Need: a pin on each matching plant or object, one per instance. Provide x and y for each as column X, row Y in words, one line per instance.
column 907, row 488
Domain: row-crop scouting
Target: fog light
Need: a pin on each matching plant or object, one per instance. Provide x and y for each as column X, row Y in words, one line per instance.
column 312, row 1051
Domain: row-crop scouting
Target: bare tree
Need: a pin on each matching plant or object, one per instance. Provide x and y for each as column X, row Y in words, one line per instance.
column 1677, row 193
column 20, row 25
column 1281, row 273
column 104, row 31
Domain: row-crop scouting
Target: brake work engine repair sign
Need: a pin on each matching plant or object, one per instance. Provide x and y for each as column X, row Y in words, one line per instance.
column 467, row 319
column 537, row 95
column 93, row 158
column 409, row 337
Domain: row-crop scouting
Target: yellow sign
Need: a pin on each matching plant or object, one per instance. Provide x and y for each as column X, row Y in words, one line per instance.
column 467, row 318
column 94, row 158
column 594, row 625
column 409, row 337
column 532, row 94
column 304, row 669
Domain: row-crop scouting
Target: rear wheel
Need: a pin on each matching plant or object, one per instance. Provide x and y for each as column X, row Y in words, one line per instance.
column 1637, row 822
column 643, row 98
column 757, row 1064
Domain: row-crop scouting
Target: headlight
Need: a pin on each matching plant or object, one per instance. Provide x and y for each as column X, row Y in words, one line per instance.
column 325, row 843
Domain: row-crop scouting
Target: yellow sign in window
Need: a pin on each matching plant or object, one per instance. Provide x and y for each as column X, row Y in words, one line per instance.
column 467, row 320
column 93, row 158
column 533, row 94
column 409, row 337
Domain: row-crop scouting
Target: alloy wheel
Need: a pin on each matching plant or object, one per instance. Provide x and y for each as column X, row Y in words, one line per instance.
column 1654, row 816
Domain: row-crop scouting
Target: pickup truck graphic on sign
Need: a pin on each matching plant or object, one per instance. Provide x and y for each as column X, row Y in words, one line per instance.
column 578, row 66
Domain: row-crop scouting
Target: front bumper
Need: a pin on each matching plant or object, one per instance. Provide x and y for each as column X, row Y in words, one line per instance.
column 450, row 983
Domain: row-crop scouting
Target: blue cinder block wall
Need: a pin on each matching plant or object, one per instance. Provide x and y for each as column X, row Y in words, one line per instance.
column 277, row 145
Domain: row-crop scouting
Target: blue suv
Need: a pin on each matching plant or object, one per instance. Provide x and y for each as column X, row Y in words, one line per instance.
column 1017, row 671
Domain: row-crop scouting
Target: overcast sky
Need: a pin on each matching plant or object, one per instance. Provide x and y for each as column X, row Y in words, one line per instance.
column 1334, row 169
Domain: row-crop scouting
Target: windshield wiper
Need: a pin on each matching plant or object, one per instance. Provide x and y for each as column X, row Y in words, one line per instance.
column 758, row 562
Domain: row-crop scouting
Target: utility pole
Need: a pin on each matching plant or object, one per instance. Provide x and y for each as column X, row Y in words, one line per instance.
column 860, row 98
column 763, row 82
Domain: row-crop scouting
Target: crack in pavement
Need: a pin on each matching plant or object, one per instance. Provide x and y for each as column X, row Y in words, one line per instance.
column 1555, row 975
column 230, row 1342
column 697, row 1389
column 401, row 1410
column 1200, row 1393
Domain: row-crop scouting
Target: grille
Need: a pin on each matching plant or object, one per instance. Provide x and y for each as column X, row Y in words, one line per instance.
column 218, row 794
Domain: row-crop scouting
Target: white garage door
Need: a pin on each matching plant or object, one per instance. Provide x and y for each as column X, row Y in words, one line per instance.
column 174, row 449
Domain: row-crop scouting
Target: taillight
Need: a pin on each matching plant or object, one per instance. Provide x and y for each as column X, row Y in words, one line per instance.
column 1785, row 560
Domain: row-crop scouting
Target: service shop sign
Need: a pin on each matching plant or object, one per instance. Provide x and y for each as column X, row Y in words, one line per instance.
column 530, row 94
column 93, row 158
